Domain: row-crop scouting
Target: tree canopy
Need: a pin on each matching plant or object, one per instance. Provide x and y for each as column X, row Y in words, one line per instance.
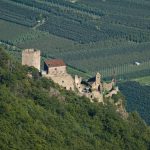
column 37, row 114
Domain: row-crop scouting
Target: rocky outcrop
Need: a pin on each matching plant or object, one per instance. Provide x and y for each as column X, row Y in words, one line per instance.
column 120, row 108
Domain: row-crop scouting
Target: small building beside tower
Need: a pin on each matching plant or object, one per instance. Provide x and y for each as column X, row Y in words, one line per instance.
column 55, row 67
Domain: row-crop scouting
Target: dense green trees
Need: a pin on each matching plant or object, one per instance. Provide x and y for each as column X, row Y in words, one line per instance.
column 138, row 98
column 37, row 114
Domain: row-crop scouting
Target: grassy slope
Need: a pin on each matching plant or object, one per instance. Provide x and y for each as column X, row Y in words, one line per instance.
column 35, row 117
column 143, row 80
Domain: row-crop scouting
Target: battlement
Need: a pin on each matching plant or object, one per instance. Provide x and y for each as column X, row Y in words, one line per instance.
column 30, row 51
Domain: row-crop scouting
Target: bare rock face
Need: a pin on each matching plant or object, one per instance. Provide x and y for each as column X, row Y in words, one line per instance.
column 120, row 108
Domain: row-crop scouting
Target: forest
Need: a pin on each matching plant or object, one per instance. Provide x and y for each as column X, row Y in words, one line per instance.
column 137, row 98
column 35, row 113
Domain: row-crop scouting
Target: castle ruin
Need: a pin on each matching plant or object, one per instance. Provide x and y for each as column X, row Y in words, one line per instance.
column 55, row 69
column 31, row 57
column 95, row 88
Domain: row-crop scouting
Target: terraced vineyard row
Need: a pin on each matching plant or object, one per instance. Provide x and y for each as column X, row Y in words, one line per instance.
column 17, row 14
column 89, row 35
column 73, row 30
column 70, row 21
column 127, row 71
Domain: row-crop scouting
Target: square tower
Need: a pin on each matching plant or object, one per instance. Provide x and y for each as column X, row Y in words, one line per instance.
column 31, row 57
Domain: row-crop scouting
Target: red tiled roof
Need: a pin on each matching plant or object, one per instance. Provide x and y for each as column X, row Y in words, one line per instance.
column 55, row 63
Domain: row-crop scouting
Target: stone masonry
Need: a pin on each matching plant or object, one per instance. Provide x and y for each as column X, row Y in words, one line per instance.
column 56, row 70
column 31, row 57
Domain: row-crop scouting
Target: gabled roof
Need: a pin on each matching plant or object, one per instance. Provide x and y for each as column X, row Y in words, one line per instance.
column 55, row 63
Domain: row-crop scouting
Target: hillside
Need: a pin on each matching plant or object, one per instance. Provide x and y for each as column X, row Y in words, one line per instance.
column 137, row 102
column 91, row 35
column 37, row 114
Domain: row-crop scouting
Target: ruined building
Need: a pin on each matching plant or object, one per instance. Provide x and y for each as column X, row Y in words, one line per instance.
column 56, row 70
column 55, row 67
column 95, row 88
column 31, row 57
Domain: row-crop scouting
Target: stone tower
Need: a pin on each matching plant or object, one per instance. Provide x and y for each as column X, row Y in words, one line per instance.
column 98, row 79
column 31, row 57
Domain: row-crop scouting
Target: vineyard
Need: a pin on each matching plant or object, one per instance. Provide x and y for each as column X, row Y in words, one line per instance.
column 10, row 31
column 83, row 24
column 106, row 36
column 17, row 13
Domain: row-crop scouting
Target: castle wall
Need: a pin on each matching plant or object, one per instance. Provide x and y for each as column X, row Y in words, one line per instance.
column 108, row 86
column 57, row 70
column 31, row 57
column 97, row 95
column 78, row 84
column 64, row 80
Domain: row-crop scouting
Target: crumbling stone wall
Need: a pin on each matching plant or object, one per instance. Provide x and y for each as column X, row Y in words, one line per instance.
column 97, row 88
column 107, row 86
column 64, row 80
column 78, row 84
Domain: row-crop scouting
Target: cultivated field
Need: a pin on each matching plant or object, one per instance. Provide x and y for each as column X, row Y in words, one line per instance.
column 10, row 31
column 107, row 36
column 143, row 80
